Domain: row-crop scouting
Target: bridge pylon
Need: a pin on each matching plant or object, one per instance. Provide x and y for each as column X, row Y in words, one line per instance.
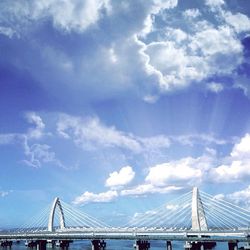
column 52, row 215
column 199, row 221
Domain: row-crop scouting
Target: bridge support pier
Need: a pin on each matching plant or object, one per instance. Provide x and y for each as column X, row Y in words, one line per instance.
column 98, row 244
column 169, row 245
column 247, row 246
column 142, row 245
column 51, row 243
column 232, row 245
column 199, row 245
column 41, row 245
column 6, row 244
column 64, row 244
column 209, row 244
column 31, row 244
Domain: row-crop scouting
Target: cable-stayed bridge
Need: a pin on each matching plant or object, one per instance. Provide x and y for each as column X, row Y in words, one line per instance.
column 196, row 218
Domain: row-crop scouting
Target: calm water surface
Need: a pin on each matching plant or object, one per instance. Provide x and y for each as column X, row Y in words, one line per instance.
column 123, row 245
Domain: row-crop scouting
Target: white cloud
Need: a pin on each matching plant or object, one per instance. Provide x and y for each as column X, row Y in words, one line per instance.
column 121, row 178
column 150, row 98
column 78, row 15
column 214, row 3
column 234, row 171
column 219, row 197
column 241, row 150
column 189, row 171
column 238, row 21
column 37, row 154
column 90, row 133
column 241, row 197
column 177, row 34
column 215, row 87
column 172, row 207
column 4, row 193
column 164, row 52
column 88, row 197
column 85, row 70
column 236, row 167
column 242, row 82
column 191, row 13
column 9, row 138
column 175, row 175
column 159, row 5
column 186, row 170
column 218, row 41
column 112, row 55
column 144, row 189
column 181, row 55
column 38, row 131
column 148, row 26
column 182, row 58
column 71, row 15
column 7, row 31
column 62, row 62
column 203, row 139
column 165, row 60
column 154, row 142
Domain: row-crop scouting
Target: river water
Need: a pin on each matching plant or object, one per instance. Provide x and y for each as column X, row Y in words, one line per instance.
column 122, row 245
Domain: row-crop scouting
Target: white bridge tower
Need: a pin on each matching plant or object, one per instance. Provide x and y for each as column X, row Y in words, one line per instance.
column 52, row 215
column 199, row 222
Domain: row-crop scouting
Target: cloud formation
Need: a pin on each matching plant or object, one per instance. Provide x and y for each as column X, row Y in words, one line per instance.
column 176, row 175
column 241, row 197
column 90, row 133
column 206, row 168
column 120, row 178
column 236, row 167
column 181, row 57
column 36, row 153
column 38, row 131
column 156, row 47
column 39, row 154
column 66, row 15
column 4, row 193
column 145, row 189
column 89, row 197
column 184, row 170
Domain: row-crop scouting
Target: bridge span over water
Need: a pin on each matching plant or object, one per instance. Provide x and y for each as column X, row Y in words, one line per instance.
column 196, row 218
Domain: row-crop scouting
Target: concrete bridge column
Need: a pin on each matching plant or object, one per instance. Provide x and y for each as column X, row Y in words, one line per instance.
column 202, row 246
column 169, row 245
column 64, row 244
column 142, row 245
column 51, row 243
column 41, row 244
column 98, row 244
column 195, row 246
column 209, row 244
column 232, row 245
column 31, row 244
column 247, row 246
column 6, row 243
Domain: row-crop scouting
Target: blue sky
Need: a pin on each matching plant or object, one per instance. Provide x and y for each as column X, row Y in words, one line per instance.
column 118, row 106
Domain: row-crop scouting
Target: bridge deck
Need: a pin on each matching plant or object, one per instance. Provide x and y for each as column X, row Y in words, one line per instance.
column 241, row 236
